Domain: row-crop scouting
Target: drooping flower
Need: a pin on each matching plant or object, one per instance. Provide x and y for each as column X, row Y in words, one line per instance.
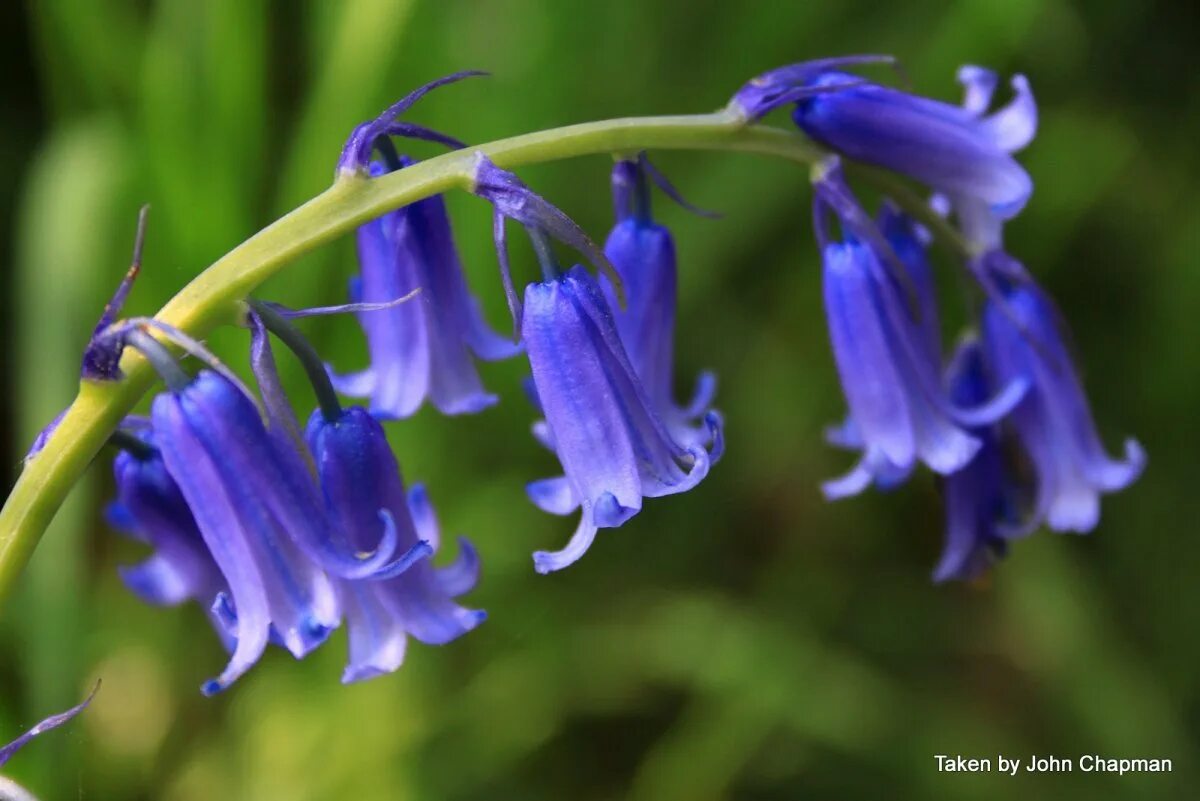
column 423, row 349
column 886, row 348
column 52, row 722
column 643, row 253
column 953, row 150
column 902, row 235
column 982, row 500
column 363, row 495
column 1024, row 340
column 362, row 487
column 600, row 421
column 256, row 506
column 613, row 446
column 215, row 446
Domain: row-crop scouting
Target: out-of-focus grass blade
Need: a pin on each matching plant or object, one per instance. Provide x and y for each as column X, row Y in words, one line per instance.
column 362, row 39
column 201, row 115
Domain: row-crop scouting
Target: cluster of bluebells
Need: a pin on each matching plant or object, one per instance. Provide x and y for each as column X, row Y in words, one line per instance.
column 282, row 534
column 1004, row 420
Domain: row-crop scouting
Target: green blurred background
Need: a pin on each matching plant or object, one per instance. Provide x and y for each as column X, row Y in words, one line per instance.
column 745, row 640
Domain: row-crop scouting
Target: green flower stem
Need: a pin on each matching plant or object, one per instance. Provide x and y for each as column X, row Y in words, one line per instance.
column 213, row 297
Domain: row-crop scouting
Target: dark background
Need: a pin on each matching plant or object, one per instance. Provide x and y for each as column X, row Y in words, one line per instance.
column 746, row 640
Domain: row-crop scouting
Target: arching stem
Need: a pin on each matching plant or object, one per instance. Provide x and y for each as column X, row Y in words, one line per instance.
column 215, row 295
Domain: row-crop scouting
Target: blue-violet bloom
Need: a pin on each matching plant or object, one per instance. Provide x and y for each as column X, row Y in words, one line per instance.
column 613, row 447
column 421, row 349
column 953, row 150
column 1024, row 341
column 886, row 349
column 361, row 482
column 249, row 506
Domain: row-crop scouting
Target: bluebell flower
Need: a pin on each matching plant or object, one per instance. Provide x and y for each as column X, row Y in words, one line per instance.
column 258, row 509
column 643, row 253
column 52, row 722
column 362, row 487
column 1024, row 340
column 982, row 499
column 902, row 235
column 886, row 349
column 423, row 349
column 953, row 150
column 150, row 507
column 214, row 444
column 613, row 446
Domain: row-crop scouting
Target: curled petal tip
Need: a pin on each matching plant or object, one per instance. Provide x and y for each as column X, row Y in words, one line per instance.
column 550, row 561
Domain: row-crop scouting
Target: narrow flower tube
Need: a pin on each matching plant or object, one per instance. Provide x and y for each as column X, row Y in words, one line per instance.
column 423, row 349
column 1023, row 339
column 643, row 253
column 364, row 492
column 613, row 446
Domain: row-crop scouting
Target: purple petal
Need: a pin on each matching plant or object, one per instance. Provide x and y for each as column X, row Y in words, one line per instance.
column 553, row 495
column 979, row 84
column 1013, row 127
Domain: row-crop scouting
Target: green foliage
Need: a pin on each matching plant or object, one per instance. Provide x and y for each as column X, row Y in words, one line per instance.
column 745, row 640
